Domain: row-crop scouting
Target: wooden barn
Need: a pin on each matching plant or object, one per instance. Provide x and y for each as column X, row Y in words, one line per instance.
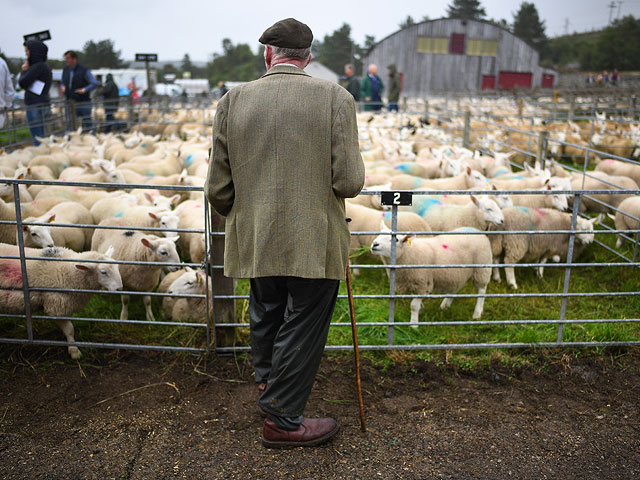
column 459, row 55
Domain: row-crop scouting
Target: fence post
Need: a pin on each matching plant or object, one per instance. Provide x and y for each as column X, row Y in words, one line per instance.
column 577, row 200
column 572, row 106
column 392, row 275
column 23, row 263
column 466, row 143
column 224, row 310
column 542, row 148
column 72, row 113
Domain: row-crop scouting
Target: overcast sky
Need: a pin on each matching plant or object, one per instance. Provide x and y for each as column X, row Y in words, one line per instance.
column 172, row 28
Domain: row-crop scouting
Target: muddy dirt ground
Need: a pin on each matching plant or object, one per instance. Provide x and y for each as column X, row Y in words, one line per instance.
column 148, row 416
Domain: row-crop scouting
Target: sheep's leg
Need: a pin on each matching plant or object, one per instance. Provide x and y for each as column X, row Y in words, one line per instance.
column 67, row 328
column 416, row 304
column 124, row 314
column 446, row 303
column 509, row 272
column 477, row 313
column 147, row 308
column 540, row 269
column 496, row 271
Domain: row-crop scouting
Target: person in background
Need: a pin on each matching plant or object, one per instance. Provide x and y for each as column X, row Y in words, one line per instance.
column 111, row 98
column 7, row 92
column 371, row 90
column 222, row 89
column 615, row 77
column 35, row 79
column 352, row 82
column 394, row 87
column 77, row 83
column 285, row 154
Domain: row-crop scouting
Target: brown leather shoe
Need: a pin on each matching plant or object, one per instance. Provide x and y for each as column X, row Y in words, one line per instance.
column 312, row 431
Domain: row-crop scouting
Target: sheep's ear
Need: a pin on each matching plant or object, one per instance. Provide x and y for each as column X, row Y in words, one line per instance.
column 25, row 228
column 493, row 187
column 468, row 170
column 51, row 218
column 175, row 199
column 148, row 196
column 109, row 252
column 86, row 164
column 83, row 267
column 405, row 238
column 146, row 242
column 154, row 216
column 546, row 182
column 189, row 269
column 174, row 239
column 383, row 227
column 475, row 201
column 598, row 219
column 199, row 278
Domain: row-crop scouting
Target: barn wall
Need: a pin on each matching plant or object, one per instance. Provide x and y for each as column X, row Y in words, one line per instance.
column 426, row 73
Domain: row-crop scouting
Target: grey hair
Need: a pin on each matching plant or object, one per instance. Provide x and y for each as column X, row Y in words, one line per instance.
column 297, row 53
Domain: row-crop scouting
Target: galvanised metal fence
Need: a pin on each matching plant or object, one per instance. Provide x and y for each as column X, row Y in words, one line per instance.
column 390, row 323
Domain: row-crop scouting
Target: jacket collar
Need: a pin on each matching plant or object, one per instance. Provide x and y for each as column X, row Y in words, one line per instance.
column 285, row 69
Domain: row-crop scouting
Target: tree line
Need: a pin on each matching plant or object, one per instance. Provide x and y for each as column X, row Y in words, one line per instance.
column 616, row 46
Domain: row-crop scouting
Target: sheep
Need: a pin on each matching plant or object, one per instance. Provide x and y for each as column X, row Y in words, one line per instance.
column 145, row 216
column 7, row 192
column 139, row 247
column 191, row 282
column 618, row 168
column 163, row 287
column 48, row 274
column 469, row 179
column 601, row 181
column 630, row 207
column 443, row 217
column 364, row 219
column 84, row 195
column 40, row 172
column 191, row 215
column 439, row 250
column 66, row 213
column 110, row 207
column 7, row 213
column 56, row 162
column 536, row 248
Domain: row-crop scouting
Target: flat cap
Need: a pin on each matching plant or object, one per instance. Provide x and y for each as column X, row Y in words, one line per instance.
column 287, row 33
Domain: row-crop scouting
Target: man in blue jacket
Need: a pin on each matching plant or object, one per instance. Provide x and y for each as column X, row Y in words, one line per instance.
column 77, row 83
column 35, row 79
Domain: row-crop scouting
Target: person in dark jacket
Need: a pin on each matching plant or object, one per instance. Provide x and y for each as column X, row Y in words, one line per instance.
column 352, row 82
column 110, row 99
column 35, row 79
column 77, row 83
column 394, row 87
column 371, row 90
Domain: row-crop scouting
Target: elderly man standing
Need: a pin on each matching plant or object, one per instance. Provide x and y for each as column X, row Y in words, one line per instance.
column 285, row 153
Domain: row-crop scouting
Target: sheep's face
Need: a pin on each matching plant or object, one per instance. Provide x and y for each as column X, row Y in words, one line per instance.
column 164, row 249
column 475, row 179
column 109, row 276
column 451, row 167
column 382, row 243
column 190, row 282
column 503, row 201
column 584, row 225
column 490, row 210
column 37, row 235
column 169, row 221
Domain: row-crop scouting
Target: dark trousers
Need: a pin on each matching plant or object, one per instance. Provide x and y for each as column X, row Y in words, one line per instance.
column 289, row 318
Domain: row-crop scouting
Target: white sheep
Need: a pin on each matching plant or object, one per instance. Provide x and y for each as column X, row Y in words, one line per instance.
column 146, row 217
column 512, row 248
column 191, row 282
column 110, row 207
column 602, row 181
column 444, row 217
column 191, row 215
column 439, row 250
column 67, row 213
column 139, row 247
column 467, row 180
column 630, row 207
column 49, row 274
column 618, row 168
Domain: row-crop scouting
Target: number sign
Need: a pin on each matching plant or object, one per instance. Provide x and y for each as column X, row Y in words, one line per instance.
column 396, row 198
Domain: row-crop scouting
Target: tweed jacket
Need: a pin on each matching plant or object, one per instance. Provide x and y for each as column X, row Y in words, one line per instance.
column 285, row 151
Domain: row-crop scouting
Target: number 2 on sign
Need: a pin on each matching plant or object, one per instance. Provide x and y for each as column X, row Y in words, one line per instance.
column 396, row 198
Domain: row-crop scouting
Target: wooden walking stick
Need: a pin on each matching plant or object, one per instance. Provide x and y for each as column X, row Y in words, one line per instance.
column 356, row 351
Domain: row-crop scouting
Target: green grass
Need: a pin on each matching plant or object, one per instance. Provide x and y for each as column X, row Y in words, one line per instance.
column 7, row 138
column 375, row 281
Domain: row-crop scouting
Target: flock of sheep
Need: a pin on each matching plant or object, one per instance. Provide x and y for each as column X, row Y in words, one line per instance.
column 400, row 153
